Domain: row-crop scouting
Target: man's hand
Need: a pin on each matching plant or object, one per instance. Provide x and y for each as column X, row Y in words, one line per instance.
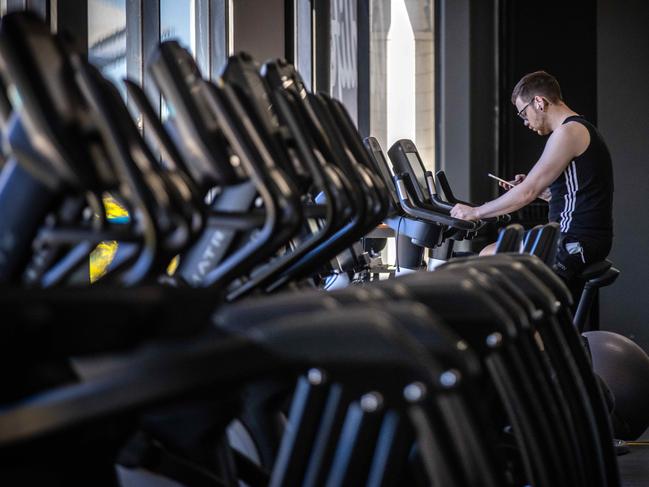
column 518, row 179
column 464, row 212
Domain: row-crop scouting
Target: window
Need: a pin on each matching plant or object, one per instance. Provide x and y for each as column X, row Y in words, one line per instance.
column 344, row 44
column 402, row 78
column 107, row 39
column 176, row 23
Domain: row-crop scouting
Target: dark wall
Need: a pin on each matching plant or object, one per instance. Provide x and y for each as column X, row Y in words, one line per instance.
column 454, row 93
column 484, row 48
column 467, row 98
column 623, row 112
column 259, row 28
column 562, row 41
column 467, row 95
column 599, row 51
column 484, row 99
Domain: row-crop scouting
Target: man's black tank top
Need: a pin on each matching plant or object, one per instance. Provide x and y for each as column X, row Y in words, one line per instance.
column 582, row 197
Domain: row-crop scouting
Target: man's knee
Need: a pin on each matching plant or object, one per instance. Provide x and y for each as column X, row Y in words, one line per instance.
column 489, row 249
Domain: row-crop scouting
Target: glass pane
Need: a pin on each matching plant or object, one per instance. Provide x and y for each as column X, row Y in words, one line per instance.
column 402, row 74
column 344, row 65
column 107, row 39
column 176, row 22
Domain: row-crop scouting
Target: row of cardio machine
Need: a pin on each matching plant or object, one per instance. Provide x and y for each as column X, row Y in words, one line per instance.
column 237, row 368
column 419, row 211
column 420, row 206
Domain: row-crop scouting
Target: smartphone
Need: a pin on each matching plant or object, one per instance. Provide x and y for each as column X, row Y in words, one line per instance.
column 501, row 180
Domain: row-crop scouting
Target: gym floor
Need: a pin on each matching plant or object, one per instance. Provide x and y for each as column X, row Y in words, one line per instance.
column 634, row 466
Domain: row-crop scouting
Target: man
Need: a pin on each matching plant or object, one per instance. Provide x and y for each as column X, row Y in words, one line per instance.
column 575, row 167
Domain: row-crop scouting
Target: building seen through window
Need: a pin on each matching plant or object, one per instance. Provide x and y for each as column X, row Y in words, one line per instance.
column 107, row 39
column 402, row 78
column 176, row 22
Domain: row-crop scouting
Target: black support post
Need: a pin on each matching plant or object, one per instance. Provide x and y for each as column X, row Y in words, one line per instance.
column 41, row 7
column 322, row 49
column 289, row 31
column 70, row 17
column 363, row 59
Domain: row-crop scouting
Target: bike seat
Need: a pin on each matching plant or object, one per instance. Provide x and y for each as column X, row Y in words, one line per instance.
column 595, row 270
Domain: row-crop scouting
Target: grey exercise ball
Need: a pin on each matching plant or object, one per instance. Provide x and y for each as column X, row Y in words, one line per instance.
column 624, row 367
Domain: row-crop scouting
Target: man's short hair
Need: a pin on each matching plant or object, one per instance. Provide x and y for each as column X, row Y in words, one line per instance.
column 537, row 83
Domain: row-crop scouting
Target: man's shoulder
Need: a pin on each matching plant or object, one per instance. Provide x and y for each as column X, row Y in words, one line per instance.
column 572, row 127
column 574, row 134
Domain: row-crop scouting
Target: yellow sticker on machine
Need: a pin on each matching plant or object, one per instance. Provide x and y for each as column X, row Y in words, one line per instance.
column 114, row 209
column 102, row 256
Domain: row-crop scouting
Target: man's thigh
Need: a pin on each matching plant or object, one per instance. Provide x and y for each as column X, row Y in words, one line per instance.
column 489, row 249
column 570, row 260
column 573, row 255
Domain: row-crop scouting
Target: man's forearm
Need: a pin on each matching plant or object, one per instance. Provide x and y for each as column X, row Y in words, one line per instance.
column 514, row 199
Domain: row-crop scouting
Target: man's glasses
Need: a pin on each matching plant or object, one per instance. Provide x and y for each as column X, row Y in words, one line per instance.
column 521, row 113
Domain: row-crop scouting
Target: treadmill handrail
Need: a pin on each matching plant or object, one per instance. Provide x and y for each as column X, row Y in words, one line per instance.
column 241, row 261
column 444, row 186
column 325, row 212
column 428, row 215
column 210, row 165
